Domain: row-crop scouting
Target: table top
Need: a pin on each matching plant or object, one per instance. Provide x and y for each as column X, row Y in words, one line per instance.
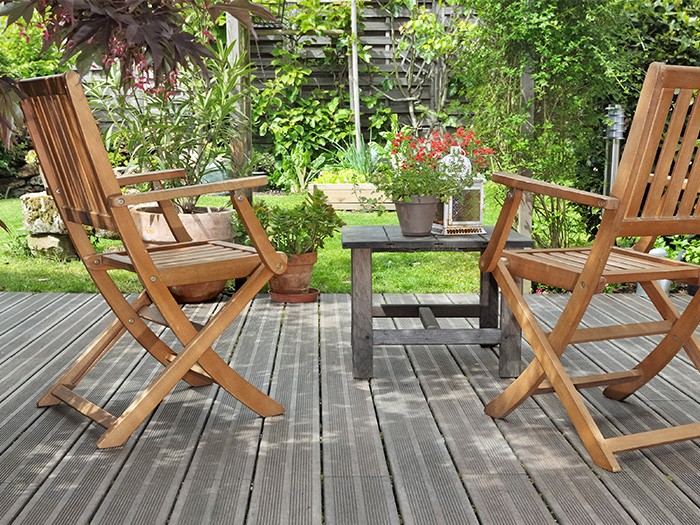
column 385, row 238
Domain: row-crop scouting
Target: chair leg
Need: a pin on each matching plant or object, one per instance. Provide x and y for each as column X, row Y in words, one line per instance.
column 668, row 311
column 86, row 362
column 526, row 383
column 196, row 349
column 127, row 313
column 547, row 363
column 680, row 335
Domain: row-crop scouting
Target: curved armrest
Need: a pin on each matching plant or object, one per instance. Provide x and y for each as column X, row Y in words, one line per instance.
column 187, row 191
column 518, row 184
column 521, row 183
column 150, row 176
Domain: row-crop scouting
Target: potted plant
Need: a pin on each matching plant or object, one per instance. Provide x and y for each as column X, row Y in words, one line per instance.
column 418, row 176
column 299, row 231
column 192, row 123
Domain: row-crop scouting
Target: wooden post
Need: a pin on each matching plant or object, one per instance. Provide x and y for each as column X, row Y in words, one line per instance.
column 241, row 148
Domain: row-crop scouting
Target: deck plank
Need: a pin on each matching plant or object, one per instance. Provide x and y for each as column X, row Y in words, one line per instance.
column 571, row 489
column 493, row 476
column 428, row 486
column 654, row 497
column 287, row 483
column 356, row 481
column 216, row 488
column 410, row 446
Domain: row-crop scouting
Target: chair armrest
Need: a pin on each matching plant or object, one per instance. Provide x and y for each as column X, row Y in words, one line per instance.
column 587, row 198
column 187, row 191
column 275, row 261
column 150, row 176
column 499, row 236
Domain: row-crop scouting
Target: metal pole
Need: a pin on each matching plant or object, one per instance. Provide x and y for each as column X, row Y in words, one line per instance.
column 613, row 136
column 354, row 76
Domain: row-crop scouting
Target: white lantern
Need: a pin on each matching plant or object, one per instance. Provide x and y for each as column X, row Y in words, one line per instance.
column 461, row 214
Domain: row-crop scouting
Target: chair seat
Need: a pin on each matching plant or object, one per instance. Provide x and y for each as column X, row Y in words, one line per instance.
column 194, row 262
column 562, row 267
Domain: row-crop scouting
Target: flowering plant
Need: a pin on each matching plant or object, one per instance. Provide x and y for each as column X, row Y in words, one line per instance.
column 418, row 166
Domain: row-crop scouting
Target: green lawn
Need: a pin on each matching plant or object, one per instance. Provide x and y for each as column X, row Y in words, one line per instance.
column 392, row 272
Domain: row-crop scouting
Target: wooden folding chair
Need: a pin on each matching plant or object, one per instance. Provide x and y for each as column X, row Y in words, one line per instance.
column 655, row 193
column 87, row 193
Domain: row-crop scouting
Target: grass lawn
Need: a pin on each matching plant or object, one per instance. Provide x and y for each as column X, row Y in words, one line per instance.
column 392, row 272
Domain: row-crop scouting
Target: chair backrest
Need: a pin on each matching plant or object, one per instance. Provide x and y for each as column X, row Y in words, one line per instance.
column 658, row 179
column 70, row 149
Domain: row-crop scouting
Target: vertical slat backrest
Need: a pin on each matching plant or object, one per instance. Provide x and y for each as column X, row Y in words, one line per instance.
column 70, row 149
column 660, row 169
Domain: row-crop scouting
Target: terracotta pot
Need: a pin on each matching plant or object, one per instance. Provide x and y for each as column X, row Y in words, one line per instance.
column 293, row 285
column 205, row 224
column 416, row 217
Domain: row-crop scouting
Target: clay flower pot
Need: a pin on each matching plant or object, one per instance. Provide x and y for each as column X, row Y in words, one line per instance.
column 205, row 224
column 416, row 217
column 293, row 285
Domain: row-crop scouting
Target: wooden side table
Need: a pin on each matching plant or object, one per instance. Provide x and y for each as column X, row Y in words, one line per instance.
column 364, row 240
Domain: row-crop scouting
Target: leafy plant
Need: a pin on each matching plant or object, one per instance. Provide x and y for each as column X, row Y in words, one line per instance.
column 304, row 121
column 190, row 127
column 150, row 39
column 363, row 161
column 302, row 228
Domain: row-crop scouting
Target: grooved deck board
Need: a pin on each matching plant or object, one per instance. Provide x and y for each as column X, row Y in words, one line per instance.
column 287, row 483
column 491, row 473
column 410, row 446
column 428, row 486
column 356, row 480
column 217, row 486
column 659, row 498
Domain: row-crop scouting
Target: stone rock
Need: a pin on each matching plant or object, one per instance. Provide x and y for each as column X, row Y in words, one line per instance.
column 52, row 245
column 40, row 214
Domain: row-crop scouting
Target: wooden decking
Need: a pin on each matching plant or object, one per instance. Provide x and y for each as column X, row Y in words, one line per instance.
column 410, row 446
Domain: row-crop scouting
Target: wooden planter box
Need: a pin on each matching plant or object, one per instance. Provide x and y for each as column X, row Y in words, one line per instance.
column 348, row 196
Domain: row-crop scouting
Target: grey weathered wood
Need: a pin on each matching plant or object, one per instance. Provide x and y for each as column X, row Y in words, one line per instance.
column 427, row 483
column 356, row 480
column 427, row 317
column 438, row 310
column 560, row 475
column 364, row 240
column 509, row 356
column 216, row 488
column 412, row 445
column 361, row 313
column 491, row 473
column 657, row 500
column 287, row 482
column 419, row 336
column 488, row 300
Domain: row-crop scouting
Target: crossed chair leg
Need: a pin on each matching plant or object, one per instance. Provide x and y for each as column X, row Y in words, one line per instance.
column 196, row 363
column 546, row 374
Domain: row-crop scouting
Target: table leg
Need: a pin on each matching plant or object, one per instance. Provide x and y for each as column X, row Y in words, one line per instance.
column 488, row 302
column 361, row 317
column 509, row 358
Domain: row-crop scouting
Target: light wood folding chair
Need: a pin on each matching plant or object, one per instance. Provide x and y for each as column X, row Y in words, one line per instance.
column 87, row 193
column 655, row 193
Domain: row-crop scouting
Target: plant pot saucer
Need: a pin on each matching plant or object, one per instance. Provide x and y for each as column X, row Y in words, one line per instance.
column 301, row 297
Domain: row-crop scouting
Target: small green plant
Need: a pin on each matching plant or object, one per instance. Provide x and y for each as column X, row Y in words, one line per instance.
column 17, row 245
column 363, row 161
column 302, row 228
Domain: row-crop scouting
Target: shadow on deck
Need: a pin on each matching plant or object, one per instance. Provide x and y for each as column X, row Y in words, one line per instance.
column 410, row 446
